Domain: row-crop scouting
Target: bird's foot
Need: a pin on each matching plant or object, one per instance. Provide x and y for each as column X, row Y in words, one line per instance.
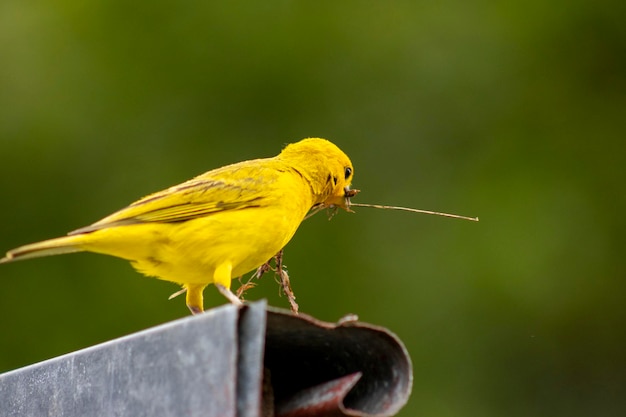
column 229, row 295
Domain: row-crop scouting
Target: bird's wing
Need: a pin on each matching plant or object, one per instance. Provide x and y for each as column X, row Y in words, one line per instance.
column 229, row 188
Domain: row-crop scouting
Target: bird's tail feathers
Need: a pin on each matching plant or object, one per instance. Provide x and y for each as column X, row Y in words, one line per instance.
column 66, row 244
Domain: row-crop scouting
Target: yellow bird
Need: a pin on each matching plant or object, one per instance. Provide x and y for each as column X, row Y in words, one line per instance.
column 219, row 225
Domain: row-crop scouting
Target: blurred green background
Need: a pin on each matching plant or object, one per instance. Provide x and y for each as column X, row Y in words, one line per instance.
column 513, row 111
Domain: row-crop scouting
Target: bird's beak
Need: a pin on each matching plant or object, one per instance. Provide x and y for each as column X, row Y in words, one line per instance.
column 348, row 193
column 342, row 200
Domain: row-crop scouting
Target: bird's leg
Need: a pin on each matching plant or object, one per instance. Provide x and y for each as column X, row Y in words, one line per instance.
column 284, row 281
column 194, row 298
column 222, row 278
column 228, row 294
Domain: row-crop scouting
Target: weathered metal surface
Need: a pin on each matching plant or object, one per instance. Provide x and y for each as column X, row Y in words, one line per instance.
column 250, row 359
column 321, row 400
column 302, row 352
column 184, row 368
column 247, row 362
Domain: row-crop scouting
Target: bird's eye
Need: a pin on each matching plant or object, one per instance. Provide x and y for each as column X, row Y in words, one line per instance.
column 348, row 172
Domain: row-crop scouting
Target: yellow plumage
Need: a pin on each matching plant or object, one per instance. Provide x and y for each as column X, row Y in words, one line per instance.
column 219, row 225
